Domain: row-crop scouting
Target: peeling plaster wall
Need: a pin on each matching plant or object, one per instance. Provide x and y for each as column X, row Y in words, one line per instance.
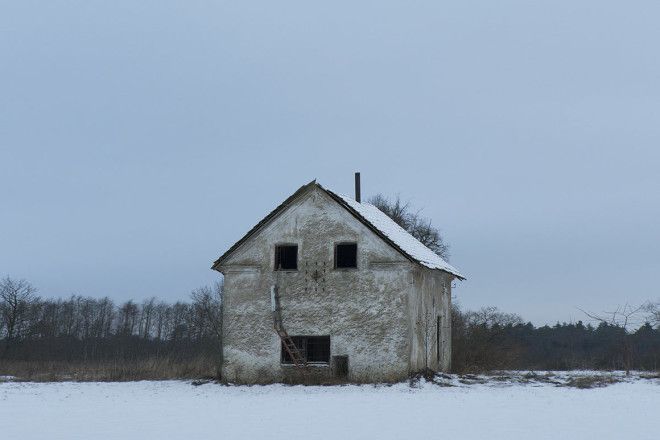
column 365, row 311
column 430, row 305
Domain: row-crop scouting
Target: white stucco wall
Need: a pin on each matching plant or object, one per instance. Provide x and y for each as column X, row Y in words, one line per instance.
column 430, row 311
column 365, row 311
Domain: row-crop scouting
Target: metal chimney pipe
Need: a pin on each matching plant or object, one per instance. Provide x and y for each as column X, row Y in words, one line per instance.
column 357, row 187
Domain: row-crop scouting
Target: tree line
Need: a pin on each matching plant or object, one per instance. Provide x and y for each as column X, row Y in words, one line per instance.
column 490, row 340
column 85, row 329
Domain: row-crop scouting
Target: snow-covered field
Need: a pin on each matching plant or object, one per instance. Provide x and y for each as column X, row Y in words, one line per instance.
column 509, row 407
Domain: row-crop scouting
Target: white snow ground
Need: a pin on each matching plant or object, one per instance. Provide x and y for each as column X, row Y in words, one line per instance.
column 178, row 410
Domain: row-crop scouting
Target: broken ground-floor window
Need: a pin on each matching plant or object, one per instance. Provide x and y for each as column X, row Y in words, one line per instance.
column 313, row 349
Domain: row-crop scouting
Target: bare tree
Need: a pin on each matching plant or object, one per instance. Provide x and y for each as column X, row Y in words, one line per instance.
column 491, row 316
column 652, row 310
column 128, row 318
column 163, row 314
column 147, row 311
column 413, row 222
column 16, row 298
column 207, row 310
column 624, row 317
column 395, row 209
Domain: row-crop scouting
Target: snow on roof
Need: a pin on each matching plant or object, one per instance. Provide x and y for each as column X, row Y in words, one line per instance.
column 374, row 218
column 399, row 236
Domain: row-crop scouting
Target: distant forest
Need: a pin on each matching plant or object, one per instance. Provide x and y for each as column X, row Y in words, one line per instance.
column 98, row 338
column 95, row 338
column 492, row 340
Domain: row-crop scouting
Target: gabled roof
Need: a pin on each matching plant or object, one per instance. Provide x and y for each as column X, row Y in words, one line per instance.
column 374, row 219
column 399, row 237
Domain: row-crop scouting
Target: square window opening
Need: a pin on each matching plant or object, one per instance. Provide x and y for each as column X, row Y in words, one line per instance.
column 346, row 256
column 314, row 349
column 286, row 257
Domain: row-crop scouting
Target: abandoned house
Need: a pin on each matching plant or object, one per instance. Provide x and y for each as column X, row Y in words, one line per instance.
column 331, row 286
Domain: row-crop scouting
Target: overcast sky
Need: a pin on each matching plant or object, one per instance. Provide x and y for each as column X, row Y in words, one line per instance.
column 139, row 140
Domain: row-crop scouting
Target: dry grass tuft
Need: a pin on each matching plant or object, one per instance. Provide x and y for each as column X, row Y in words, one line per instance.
column 109, row 371
column 586, row 382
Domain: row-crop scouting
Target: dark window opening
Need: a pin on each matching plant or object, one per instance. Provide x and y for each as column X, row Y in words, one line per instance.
column 346, row 255
column 312, row 348
column 318, row 348
column 286, row 257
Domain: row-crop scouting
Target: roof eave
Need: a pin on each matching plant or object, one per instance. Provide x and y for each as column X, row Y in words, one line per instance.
column 454, row 274
column 378, row 232
column 217, row 263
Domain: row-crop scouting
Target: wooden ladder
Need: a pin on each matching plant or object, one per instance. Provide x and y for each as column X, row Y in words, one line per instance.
column 292, row 350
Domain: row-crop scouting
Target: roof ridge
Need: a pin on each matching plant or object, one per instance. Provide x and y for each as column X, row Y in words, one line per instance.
column 379, row 222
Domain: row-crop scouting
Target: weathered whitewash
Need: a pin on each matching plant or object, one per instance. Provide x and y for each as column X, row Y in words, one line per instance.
column 390, row 315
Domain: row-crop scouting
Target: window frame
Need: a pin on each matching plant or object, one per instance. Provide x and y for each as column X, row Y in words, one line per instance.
column 275, row 256
column 340, row 243
column 304, row 340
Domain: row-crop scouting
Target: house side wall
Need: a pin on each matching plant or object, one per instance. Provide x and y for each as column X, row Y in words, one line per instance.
column 430, row 311
column 365, row 311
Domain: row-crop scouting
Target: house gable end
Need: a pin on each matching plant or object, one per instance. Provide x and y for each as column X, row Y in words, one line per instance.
column 411, row 249
column 298, row 221
column 274, row 213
